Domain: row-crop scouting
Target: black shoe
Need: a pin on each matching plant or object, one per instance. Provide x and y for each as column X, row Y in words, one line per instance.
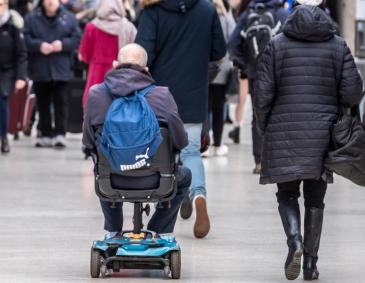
column 313, row 221
column 5, row 148
column 235, row 135
column 186, row 209
column 290, row 217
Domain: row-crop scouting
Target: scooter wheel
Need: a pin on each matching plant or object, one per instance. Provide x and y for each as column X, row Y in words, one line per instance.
column 95, row 263
column 175, row 264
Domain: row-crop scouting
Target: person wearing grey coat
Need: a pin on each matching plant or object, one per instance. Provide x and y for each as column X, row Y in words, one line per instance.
column 217, row 88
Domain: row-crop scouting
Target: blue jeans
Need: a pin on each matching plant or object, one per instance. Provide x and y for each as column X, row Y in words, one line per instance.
column 4, row 113
column 191, row 158
column 163, row 220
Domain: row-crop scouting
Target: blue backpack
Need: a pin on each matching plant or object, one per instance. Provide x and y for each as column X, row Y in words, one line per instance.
column 131, row 133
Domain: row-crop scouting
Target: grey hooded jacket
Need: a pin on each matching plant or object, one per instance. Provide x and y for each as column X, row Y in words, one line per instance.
column 125, row 81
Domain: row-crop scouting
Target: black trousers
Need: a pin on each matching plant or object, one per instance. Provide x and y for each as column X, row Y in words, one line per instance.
column 163, row 220
column 257, row 139
column 314, row 192
column 52, row 93
column 217, row 99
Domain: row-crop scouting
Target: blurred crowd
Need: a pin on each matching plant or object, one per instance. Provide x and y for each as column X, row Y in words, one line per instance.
column 88, row 36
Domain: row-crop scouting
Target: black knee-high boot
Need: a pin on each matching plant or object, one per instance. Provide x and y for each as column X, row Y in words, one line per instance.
column 312, row 235
column 290, row 217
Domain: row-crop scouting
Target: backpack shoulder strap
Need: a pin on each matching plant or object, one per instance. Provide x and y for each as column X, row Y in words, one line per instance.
column 147, row 90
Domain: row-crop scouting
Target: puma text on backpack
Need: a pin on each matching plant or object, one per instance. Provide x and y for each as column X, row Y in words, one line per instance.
column 260, row 29
column 131, row 133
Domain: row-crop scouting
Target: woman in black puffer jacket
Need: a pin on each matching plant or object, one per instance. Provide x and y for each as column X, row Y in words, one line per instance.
column 303, row 76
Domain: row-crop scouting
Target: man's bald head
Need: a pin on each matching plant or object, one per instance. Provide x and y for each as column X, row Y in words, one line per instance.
column 133, row 54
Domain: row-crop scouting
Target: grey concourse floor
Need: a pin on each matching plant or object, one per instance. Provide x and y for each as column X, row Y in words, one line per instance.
column 49, row 216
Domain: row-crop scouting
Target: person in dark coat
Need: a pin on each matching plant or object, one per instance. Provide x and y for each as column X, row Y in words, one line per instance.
column 181, row 37
column 248, row 70
column 303, row 76
column 130, row 74
column 52, row 35
column 13, row 66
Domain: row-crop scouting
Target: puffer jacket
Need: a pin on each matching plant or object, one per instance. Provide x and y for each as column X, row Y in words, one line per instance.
column 303, row 76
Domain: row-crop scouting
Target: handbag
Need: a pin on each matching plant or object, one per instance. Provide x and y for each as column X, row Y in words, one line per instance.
column 233, row 84
column 347, row 158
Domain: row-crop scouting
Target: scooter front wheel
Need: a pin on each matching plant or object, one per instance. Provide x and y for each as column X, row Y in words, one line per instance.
column 95, row 263
column 175, row 264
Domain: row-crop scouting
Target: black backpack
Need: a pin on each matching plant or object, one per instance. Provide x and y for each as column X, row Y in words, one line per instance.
column 261, row 27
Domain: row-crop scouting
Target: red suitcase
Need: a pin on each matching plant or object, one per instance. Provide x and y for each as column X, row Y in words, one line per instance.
column 21, row 105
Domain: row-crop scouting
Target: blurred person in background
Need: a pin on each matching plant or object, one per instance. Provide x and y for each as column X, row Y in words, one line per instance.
column 52, row 36
column 109, row 29
column 13, row 66
column 240, row 50
column 181, row 37
column 217, row 88
column 234, row 134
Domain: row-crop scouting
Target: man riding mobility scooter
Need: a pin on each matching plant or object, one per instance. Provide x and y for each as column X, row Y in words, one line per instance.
column 150, row 177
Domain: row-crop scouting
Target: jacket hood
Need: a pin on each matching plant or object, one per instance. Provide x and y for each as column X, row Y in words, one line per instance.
column 268, row 3
column 309, row 23
column 127, row 79
column 176, row 6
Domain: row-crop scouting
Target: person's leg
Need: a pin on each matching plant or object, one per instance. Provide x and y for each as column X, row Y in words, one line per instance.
column 287, row 196
column 235, row 133
column 191, row 158
column 60, row 100
column 164, row 218
column 43, row 91
column 4, row 114
column 113, row 216
column 219, row 98
column 314, row 193
column 257, row 139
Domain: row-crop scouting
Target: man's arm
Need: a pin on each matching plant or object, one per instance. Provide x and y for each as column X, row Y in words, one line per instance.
column 219, row 48
column 265, row 87
column 88, row 136
column 236, row 41
column 147, row 33
column 33, row 43
column 70, row 43
column 179, row 138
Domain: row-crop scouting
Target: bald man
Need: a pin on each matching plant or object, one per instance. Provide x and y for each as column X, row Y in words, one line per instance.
column 130, row 74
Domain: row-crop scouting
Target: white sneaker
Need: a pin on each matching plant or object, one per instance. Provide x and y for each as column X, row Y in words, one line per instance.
column 59, row 141
column 207, row 153
column 43, row 142
column 221, row 150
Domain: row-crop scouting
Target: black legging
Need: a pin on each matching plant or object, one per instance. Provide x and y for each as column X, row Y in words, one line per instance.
column 314, row 192
column 217, row 99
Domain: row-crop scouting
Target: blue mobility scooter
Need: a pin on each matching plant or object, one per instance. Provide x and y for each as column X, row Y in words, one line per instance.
column 138, row 249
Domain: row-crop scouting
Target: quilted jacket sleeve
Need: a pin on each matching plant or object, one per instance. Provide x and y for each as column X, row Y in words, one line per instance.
column 350, row 85
column 265, row 88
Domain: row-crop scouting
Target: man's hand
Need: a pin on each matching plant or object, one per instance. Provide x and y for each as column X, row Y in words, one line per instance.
column 20, row 84
column 46, row 48
column 57, row 46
